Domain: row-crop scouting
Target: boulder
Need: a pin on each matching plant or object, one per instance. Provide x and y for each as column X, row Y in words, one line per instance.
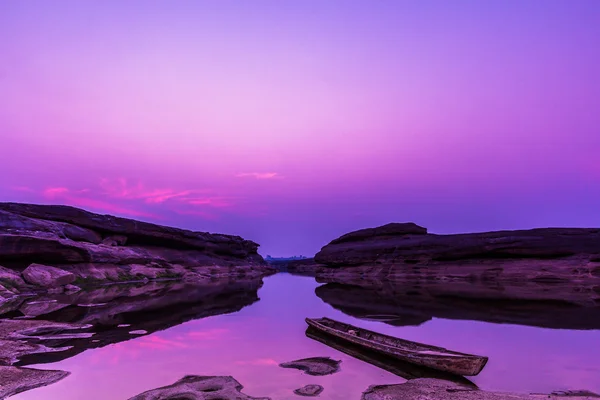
column 47, row 276
column 10, row 278
column 115, row 240
column 309, row 390
column 199, row 388
column 434, row 389
column 316, row 366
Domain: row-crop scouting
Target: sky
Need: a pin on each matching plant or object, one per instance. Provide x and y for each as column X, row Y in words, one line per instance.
column 292, row 122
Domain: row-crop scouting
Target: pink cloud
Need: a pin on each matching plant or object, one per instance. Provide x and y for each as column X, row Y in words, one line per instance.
column 74, row 198
column 55, row 192
column 260, row 175
column 208, row 201
column 121, row 188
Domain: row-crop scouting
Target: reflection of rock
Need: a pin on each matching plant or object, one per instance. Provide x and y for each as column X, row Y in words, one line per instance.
column 46, row 276
column 40, row 306
column 199, row 388
column 309, row 390
column 432, row 389
column 414, row 301
column 410, row 244
column 15, row 380
column 149, row 308
column 20, row 338
column 316, row 366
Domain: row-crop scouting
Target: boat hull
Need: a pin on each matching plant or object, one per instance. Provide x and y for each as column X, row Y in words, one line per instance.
column 415, row 353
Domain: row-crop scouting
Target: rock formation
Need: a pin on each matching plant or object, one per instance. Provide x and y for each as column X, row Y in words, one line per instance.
column 52, row 246
column 411, row 244
column 316, row 366
column 309, row 390
column 16, row 380
column 433, row 389
column 542, row 277
column 193, row 387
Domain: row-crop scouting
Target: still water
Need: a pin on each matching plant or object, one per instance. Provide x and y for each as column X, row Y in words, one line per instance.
column 250, row 344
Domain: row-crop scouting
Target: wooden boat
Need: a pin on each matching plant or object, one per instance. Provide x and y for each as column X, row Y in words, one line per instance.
column 437, row 358
column 393, row 365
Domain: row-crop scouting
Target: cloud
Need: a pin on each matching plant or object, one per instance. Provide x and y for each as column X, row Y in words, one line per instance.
column 74, row 198
column 122, row 189
column 260, row 175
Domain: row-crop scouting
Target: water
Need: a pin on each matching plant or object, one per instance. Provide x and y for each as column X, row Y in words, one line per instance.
column 250, row 344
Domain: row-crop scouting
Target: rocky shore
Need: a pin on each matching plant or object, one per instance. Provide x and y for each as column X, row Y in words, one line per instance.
column 227, row 388
column 408, row 243
column 61, row 248
column 402, row 275
column 434, row 389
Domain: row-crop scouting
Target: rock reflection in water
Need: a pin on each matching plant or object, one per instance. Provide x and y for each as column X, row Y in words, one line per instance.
column 415, row 301
column 115, row 311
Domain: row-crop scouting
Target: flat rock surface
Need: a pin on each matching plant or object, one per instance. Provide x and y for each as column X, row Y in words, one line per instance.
column 194, row 387
column 316, row 366
column 15, row 380
column 309, row 390
column 433, row 389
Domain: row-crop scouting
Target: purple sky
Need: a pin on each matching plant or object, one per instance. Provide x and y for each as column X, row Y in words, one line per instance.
column 292, row 122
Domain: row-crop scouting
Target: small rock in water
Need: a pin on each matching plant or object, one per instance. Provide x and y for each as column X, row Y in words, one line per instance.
column 309, row 390
column 138, row 332
column 316, row 366
column 199, row 388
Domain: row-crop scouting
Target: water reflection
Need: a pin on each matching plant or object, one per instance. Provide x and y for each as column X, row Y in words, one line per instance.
column 406, row 303
column 250, row 343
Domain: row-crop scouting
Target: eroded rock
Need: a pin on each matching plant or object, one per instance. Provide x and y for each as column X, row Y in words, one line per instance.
column 193, row 387
column 433, row 389
column 115, row 240
column 47, row 276
column 15, row 380
column 309, row 390
column 410, row 244
column 10, row 278
column 316, row 366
